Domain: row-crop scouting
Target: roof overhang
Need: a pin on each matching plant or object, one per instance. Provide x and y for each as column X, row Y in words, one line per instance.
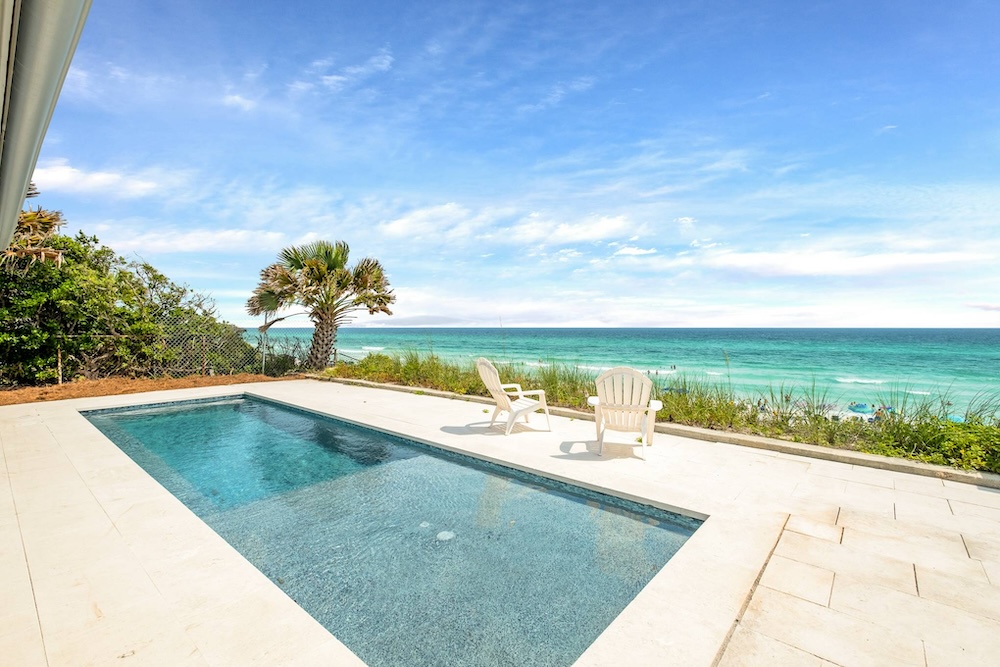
column 37, row 42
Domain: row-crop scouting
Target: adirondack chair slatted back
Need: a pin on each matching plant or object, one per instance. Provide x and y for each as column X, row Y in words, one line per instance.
column 624, row 396
column 491, row 378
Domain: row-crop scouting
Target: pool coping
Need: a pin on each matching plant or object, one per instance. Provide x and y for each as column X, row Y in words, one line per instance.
column 975, row 477
column 681, row 613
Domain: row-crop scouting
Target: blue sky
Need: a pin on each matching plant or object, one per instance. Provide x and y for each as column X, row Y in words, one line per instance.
column 552, row 163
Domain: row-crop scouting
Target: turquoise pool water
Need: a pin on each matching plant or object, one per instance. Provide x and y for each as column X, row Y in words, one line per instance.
column 406, row 553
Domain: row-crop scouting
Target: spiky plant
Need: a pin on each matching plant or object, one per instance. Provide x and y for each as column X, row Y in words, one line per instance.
column 35, row 227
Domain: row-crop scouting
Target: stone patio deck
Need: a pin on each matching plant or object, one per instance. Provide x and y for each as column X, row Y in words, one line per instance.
column 800, row 562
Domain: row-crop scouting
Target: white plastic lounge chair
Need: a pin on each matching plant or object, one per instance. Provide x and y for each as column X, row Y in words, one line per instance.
column 510, row 398
column 623, row 404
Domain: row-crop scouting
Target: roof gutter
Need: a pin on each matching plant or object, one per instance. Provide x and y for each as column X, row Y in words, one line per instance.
column 37, row 40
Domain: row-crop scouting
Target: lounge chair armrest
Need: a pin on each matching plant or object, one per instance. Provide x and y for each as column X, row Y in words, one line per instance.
column 539, row 392
column 515, row 387
column 593, row 401
column 656, row 405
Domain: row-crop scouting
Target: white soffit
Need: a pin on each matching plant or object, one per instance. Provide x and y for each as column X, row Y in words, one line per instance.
column 37, row 42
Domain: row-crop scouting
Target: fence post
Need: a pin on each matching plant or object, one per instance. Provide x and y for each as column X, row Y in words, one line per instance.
column 263, row 354
column 59, row 360
column 204, row 360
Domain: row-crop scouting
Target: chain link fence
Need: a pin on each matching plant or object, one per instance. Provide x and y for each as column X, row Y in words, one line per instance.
column 178, row 347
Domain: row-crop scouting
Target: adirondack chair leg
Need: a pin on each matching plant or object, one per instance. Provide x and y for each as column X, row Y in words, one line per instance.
column 496, row 413
column 510, row 423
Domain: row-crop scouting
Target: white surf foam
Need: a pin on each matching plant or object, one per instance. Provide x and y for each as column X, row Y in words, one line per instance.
column 858, row 381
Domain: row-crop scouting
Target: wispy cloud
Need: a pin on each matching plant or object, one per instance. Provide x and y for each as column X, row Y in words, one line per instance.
column 567, row 254
column 238, row 101
column 109, row 84
column 318, row 73
column 634, row 251
column 836, row 263
column 558, row 92
column 449, row 222
column 226, row 241
column 537, row 227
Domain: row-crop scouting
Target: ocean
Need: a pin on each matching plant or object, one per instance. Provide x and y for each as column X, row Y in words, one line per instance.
column 880, row 366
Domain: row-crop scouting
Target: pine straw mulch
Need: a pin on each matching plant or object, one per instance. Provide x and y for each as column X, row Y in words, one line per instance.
column 111, row 386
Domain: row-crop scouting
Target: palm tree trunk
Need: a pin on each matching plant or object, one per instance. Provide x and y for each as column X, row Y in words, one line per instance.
column 323, row 338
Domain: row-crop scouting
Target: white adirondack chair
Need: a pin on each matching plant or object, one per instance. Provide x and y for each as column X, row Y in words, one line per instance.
column 510, row 398
column 623, row 404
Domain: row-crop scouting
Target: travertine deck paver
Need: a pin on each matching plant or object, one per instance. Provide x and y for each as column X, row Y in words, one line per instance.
column 100, row 565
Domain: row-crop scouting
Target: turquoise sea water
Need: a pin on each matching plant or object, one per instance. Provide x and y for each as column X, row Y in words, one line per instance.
column 881, row 366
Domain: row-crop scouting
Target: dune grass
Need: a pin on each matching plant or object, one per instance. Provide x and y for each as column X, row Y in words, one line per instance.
column 922, row 428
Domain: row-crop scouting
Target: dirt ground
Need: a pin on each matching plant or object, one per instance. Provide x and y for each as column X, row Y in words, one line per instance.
column 110, row 386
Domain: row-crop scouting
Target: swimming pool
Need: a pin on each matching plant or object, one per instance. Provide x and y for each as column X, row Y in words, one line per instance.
column 408, row 554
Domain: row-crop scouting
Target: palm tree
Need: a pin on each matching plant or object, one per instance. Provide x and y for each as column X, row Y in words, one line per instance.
column 316, row 276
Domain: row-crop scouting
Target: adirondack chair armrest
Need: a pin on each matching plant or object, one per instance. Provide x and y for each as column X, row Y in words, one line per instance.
column 654, row 405
column 508, row 387
column 536, row 392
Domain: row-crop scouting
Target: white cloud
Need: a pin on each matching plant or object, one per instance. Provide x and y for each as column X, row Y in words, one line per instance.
column 566, row 254
column 79, row 83
column 535, row 227
column 633, row 251
column 232, row 241
column 239, row 102
column 299, row 87
column 834, row 262
column 449, row 219
column 58, row 175
column 595, row 228
column 685, row 224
